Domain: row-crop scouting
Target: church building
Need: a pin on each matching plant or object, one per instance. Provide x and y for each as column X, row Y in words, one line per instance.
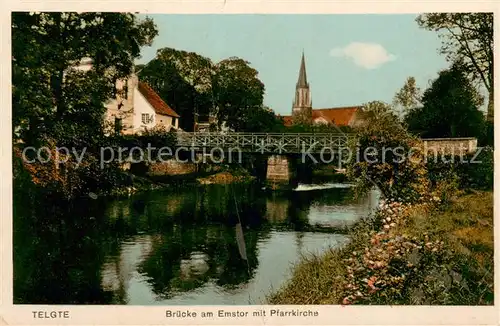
column 303, row 112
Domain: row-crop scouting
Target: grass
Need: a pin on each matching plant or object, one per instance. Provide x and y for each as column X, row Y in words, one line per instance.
column 466, row 224
column 461, row 273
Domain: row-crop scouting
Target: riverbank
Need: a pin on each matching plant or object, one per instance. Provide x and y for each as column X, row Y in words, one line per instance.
column 421, row 254
column 137, row 183
column 227, row 176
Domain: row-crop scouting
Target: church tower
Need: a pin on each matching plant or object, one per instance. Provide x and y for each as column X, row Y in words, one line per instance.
column 302, row 105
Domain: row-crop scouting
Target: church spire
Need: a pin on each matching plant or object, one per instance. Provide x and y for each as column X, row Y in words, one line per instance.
column 302, row 106
column 302, row 82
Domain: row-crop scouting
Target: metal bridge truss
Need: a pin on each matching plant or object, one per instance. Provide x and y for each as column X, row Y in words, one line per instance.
column 277, row 143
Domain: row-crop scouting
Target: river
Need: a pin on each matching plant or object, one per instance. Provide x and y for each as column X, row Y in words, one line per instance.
column 178, row 246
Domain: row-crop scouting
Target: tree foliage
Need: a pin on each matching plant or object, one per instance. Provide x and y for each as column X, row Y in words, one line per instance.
column 192, row 84
column 386, row 156
column 50, row 97
column 57, row 104
column 408, row 97
column 467, row 38
column 237, row 90
column 183, row 80
column 449, row 108
column 319, row 128
column 473, row 170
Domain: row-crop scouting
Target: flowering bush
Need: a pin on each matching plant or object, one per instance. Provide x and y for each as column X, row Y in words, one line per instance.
column 409, row 260
column 391, row 259
column 59, row 175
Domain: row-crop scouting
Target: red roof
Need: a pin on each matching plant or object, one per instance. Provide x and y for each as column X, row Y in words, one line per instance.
column 341, row 116
column 287, row 120
column 155, row 100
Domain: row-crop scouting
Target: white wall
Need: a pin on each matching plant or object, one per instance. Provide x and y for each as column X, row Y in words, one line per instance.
column 166, row 120
column 141, row 105
column 126, row 109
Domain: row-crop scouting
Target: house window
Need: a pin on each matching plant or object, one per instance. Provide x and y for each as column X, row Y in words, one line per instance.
column 147, row 118
column 173, row 121
column 118, row 126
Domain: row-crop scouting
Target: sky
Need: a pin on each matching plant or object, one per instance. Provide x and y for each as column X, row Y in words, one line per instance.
column 350, row 59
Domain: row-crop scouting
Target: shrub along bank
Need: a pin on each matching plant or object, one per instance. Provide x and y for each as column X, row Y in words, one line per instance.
column 473, row 170
column 59, row 176
column 429, row 254
column 430, row 242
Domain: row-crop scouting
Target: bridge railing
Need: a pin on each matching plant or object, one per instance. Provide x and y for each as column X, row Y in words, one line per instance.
column 265, row 142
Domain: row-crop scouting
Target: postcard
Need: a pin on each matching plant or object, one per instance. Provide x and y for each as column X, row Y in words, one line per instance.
column 248, row 163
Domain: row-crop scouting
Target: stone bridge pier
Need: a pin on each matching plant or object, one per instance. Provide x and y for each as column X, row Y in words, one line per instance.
column 280, row 171
column 286, row 171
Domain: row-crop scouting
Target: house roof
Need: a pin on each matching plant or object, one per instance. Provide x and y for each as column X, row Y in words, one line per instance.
column 287, row 120
column 341, row 116
column 155, row 100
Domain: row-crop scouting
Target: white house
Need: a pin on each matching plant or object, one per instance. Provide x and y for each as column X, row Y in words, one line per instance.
column 135, row 106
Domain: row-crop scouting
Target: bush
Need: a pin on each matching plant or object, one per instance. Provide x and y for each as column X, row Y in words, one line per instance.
column 473, row 171
column 157, row 137
column 478, row 173
column 69, row 180
column 488, row 136
column 380, row 141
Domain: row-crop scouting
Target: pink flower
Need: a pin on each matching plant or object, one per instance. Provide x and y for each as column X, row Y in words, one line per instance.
column 371, row 282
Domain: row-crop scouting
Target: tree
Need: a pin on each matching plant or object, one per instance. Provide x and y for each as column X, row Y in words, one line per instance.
column 467, row 38
column 408, row 97
column 56, row 104
column 319, row 128
column 191, row 84
column 51, row 98
column 237, row 90
column 139, row 67
column 183, row 80
column 450, row 108
column 385, row 155
column 261, row 119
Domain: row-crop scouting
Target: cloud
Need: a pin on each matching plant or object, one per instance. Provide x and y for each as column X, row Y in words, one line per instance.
column 366, row 55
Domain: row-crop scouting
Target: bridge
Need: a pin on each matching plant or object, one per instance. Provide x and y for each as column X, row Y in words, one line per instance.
column 273, row 143
column 282, row 148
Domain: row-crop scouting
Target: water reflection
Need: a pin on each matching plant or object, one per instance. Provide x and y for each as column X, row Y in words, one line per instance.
column 176, row 247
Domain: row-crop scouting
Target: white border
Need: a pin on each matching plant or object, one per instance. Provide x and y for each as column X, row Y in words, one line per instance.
column 129, row 315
